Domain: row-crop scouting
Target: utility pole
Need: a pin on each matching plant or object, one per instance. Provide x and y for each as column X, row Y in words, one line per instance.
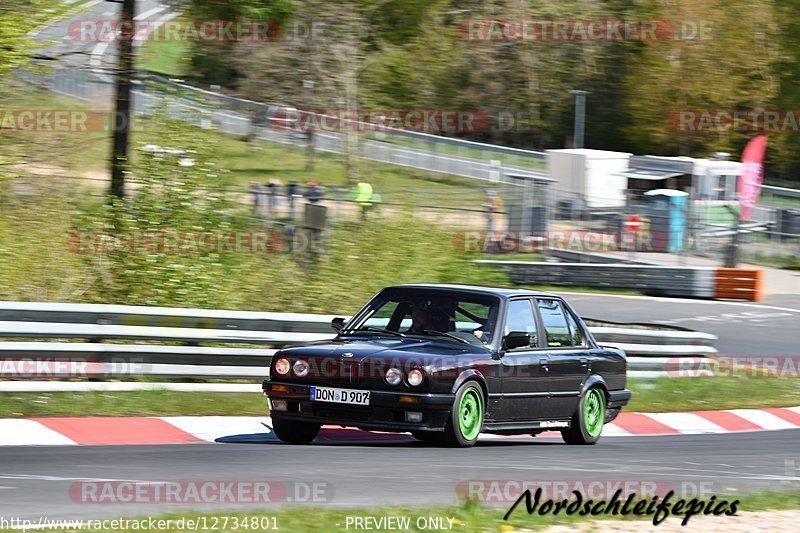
column 122, row 108
column 732, row 249
column 580, row 118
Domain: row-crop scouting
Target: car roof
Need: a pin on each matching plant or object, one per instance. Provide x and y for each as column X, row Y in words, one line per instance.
column 503, row 292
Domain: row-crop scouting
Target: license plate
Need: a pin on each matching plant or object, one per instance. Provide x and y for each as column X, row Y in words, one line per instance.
column 349, row 396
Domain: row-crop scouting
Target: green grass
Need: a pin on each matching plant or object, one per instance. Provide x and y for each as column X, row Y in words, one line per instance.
column 467, row 517
column 73, row 154
column 788, row 262
column 465, row 151
column 167, row 57
column 713, row 393
column 240, row 160
column 774, row 200
column 652, row 396
column 261, row 161
column 132, row 403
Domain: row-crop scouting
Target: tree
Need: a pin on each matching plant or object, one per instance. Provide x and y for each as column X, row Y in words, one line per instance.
column 730, row 67
column 211, row 60
column 17, row 19
column 316, row 67
column 122, row 106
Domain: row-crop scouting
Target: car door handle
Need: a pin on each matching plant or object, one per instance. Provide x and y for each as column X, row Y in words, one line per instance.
column 584, row 361
column 544, row 362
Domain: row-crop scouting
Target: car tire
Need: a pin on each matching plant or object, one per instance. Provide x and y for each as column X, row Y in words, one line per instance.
column 587, row 422
column 464, row 424
column 294, row 432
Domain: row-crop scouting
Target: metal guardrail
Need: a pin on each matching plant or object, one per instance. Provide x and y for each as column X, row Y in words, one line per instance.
column 434, row 153
column 781, row 191
column 145, row 325
column 689, row 282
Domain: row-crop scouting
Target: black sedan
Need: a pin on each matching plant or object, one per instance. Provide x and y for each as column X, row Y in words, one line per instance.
column 447, row 362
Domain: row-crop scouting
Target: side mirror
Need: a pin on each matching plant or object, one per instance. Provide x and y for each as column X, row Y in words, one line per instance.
column 337, row 324
column 516, row 339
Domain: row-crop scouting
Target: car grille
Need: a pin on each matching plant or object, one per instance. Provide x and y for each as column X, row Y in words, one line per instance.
column 349, row 373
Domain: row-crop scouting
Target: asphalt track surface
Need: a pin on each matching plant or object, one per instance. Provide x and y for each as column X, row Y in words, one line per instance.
column 36, row 482
column 744, row 329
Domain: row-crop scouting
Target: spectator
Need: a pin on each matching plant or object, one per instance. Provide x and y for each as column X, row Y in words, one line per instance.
column 314, row 192
column 258, row 199
column 493, row 205
column 363, row 196
column 292, row 192
column 272, row 194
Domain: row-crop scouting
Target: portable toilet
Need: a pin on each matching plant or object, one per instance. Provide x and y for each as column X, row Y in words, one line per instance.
column 667, row 210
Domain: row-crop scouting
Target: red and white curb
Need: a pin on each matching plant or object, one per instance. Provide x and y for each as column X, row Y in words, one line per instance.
column 244, row 429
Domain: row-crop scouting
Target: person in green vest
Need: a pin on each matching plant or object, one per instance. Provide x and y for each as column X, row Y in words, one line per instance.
column 364, row 197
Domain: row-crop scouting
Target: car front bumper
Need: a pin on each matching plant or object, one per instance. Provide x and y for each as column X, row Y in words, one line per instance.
column 387, row 410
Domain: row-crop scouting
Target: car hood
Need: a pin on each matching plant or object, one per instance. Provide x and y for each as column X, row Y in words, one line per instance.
column 395, row 348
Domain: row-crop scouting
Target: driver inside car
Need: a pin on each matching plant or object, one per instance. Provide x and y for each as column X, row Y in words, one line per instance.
column 421, row 318
column 429, row 317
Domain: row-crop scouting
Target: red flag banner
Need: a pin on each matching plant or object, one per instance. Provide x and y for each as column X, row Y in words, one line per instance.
column 752, row 176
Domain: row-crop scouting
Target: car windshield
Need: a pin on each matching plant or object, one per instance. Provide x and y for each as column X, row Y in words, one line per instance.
column 454, row 316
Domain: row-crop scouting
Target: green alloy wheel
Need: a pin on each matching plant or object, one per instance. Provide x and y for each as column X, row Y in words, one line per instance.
column 466, row 418
column 587, row 423
column 470, row 414
column 593, row 412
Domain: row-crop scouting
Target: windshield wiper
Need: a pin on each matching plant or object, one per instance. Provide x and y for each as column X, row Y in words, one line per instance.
column 444, row 334
column 379, row 330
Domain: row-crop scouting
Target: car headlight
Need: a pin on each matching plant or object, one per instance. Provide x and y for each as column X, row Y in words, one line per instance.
column 282, row 366
column 300, row 368
column 394, row 376
column 415, row 378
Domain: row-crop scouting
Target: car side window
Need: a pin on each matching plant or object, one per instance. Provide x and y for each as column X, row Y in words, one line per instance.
column 520, row 318
column 576, row 331
column 556, row 328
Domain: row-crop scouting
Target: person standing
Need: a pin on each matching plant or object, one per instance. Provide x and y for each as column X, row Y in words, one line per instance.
column 314, row 192
column 257, row 192
column 493, row 205
column 292, row 192
column 363, row 197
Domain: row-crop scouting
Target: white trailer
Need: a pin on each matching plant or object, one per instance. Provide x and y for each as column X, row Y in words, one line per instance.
column 589, row 176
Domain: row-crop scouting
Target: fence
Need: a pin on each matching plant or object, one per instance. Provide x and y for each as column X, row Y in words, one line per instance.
column 530, row 201
column 141, row 326
column 414, row 149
